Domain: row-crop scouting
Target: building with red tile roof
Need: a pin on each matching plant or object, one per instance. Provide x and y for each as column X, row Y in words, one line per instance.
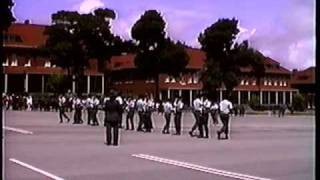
column 24, row 69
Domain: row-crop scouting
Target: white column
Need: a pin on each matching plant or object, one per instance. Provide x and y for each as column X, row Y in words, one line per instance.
column 168, row 93
column 248, row 96
column 180, row 92
column 160, row 95
column 26, row 83
column 239, row 97
column 220, row 94
column 190, row 96
column 284, row 97
column 5, row 83
column 102, row 84
column 42, row 84
column 261, row 98
column 277, row 97
column 73, row 84
column 268, row 97
column 290, row 97
column 88, row 84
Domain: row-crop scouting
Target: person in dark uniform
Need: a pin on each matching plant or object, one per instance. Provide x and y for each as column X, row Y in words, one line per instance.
column 113, row 113
column 178, row 106
column 225, row 110
column 62, row 101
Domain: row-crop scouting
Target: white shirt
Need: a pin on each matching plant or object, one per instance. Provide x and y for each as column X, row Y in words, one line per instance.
column 207, row 104
column 215, row 106
column 167, row 106
column 29, row 100
column 96, row 102
column 119, row 99
column 225, row 106
column 140, row 104
column 197, row 103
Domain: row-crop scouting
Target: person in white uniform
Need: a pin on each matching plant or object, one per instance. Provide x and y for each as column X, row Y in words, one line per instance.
column 225, row 110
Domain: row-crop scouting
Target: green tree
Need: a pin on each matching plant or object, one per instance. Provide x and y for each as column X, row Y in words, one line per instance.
column 225, row 57
column 56, row 83
column 157, row 54
column 74, row 39
column 6, row 17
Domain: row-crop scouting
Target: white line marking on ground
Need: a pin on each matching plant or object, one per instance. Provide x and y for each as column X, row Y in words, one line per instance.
column 17, row 130
column 36, row 169
column 199, row 168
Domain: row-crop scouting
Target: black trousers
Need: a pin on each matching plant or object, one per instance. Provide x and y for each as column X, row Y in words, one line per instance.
column 94, row 117
column 203, row 125
column 214, row 117
column 89, row 116
column 112, row 126
column 148, row 121
column 141, row 121
column 166, row 127
column 177, row 122
column 129, row 118
column 77, row 116
column 196, row 122
column 62, row 114
column 225, row 124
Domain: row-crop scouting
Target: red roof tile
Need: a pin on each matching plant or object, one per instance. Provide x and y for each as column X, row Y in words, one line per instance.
column 306, row 76
column 31, row 35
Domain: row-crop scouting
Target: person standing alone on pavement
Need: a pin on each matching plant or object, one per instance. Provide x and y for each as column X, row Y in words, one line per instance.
column 178, row 106
column 113, row 115
column 225, row 110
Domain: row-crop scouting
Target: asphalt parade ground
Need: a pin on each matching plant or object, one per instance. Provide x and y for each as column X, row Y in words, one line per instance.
column 261, row 147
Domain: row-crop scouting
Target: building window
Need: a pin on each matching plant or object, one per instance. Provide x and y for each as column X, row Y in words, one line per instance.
column 280, row 83
column 284, row 83
column 265, row 82
column 275, row 83
column 189, row 80
column 173, row 80
column 246, row 82
column 47, row 64
column 6, row 63
column 254, row 82
column 167, row 80
column 270, row 83
column 242, row 82
column 28, row 64
column 195, row 78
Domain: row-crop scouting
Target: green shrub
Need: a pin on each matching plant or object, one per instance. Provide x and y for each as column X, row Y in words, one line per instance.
column 254, row 102
column 298, row 102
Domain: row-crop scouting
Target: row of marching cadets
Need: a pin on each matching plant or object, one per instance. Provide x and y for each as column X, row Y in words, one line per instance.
column 79, row 104
column 202, row 107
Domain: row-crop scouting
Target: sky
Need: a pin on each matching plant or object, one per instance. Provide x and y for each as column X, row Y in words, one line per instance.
column 283, row 30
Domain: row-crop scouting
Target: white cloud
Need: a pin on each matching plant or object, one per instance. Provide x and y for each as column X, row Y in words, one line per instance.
column 87, row 6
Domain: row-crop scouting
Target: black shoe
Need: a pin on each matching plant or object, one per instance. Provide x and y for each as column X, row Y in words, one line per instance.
column 190, row 133
column 206, row 137
column 60, row 121
column 199, row 136
column 218, row 133
column 108, row 144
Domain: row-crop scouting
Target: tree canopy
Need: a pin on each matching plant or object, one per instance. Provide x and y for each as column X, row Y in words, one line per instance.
column 157, row 53
column 6, row 17
column 225, row 57
column 75, row 38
